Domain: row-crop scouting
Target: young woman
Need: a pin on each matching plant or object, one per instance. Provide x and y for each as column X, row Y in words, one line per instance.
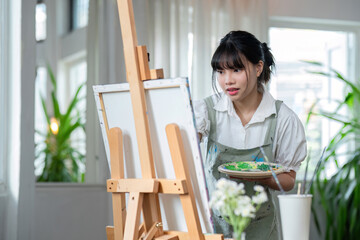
column 243, row 117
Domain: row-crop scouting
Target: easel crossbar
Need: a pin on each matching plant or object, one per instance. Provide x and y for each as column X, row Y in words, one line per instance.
column 133, row 185
column 167, row 186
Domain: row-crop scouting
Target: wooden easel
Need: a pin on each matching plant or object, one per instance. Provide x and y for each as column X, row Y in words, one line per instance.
column 143, row 193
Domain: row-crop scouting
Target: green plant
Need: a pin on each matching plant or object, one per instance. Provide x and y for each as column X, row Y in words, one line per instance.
column 59, row 158
column 339, row 194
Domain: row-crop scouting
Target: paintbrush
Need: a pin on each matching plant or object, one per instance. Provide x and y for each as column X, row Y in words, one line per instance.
column 272, row 171
column 307, row 165
column 316, row 169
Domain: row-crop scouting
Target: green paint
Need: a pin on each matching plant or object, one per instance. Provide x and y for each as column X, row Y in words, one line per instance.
column 245, row 166
column 263, row 167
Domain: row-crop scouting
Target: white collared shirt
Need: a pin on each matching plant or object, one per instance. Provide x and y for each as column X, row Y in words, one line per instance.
column 290, row 143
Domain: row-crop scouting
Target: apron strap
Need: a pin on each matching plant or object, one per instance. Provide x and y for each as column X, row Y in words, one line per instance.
column 271, row 131
column 212, row 116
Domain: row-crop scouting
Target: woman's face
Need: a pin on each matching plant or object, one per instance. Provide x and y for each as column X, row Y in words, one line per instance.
column 240, row 84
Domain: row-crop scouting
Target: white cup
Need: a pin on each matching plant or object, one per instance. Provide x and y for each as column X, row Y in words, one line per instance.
column 295, row 216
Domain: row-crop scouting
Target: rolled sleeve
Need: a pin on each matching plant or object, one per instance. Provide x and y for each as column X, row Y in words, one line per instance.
column 290, row 138
column 201, row 118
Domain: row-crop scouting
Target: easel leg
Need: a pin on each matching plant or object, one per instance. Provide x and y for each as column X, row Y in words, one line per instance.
column 119, row 214
column 182, row 172
column 117, row 172
column 133, row 216
column 150, row 212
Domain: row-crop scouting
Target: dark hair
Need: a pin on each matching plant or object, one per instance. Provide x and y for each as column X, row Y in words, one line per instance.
column 234, row 48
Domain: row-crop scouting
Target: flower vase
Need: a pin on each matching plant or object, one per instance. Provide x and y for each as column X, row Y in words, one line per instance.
column 239, row 236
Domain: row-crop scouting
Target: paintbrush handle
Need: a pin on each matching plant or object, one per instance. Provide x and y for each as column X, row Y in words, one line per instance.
column 277, row 181
column 306, row 169
column 316, row 169
column 272, row 171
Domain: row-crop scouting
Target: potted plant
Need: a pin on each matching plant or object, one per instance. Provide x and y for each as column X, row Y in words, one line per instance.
column 60, row 159
column 339, row 195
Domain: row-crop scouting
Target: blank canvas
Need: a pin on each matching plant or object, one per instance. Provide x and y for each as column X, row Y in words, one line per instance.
column 168, row 101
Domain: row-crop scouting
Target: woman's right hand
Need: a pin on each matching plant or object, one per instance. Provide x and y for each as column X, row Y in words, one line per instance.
column 200, row 136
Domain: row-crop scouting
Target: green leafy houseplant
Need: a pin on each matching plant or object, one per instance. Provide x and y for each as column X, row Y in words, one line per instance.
column 60, row 160
column 339, row 194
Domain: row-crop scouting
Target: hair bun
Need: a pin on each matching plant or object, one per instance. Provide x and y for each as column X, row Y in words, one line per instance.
column 265, row 47
column 268, row 57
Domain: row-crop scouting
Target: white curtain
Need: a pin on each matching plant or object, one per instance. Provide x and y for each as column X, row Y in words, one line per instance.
column 169, row 26
column 105, row 64
column 104, row 42
column 183, row 34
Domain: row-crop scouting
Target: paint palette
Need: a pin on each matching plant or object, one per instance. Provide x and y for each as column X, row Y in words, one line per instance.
column 250, row 169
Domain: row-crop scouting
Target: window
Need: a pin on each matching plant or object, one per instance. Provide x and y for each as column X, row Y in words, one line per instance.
column 300, row 89
column 79, row 13
column 40, row 21
column 76, row 75
column 64, row 50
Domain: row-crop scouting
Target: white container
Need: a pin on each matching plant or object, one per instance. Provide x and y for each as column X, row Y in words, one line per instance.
column 295, row 216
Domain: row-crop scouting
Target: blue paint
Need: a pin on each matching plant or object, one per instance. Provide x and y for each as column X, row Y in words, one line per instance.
column 256, row 159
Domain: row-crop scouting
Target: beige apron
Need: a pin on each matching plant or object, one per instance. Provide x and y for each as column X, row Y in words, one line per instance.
column 264, row 225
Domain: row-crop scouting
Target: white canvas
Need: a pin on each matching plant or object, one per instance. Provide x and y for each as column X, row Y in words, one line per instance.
column 168, row 101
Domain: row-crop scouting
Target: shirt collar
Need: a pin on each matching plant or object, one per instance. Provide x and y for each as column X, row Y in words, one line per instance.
column 266, row 108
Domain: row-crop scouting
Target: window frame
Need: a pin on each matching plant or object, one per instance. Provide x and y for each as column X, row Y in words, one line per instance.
column 5, row 86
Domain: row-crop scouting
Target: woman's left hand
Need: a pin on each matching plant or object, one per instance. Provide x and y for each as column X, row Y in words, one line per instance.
column 262, row 181
column 286, row 179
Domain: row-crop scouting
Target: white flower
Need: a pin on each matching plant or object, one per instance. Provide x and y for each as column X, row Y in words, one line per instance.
column 244, row 200
column 227, row 187
column 245, row 210
column 244, row 207
column 230, row 201
column 221, row 183
column 217, row 200
column 260, row 198
column 259, row 188
column 240, row 189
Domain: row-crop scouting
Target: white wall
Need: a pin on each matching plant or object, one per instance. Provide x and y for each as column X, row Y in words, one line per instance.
column 346, row 10
column 71, row 211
